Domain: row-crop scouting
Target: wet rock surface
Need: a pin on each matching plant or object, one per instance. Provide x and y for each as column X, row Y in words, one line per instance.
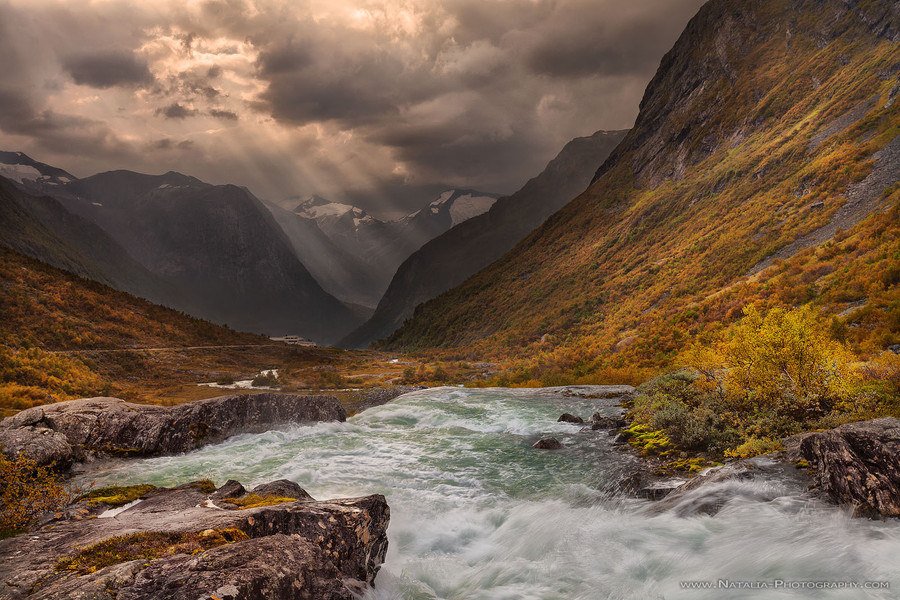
column 76, row 430
column 858, row 464
column 547, row 443
column 708, row 492
column 367, row 398
column 305, row 549
column 569, row 418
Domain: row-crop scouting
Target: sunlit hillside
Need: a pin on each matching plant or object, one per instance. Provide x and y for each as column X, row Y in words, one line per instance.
column 766, row 130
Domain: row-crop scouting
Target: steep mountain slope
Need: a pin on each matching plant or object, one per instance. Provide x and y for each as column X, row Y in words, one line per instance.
column 45, row 307
column 47, row 313
column 30, row 173
column 767, row 122
column 376, row 246
column 468, row 247
column 40, row 226
column 340, row 273
column 217, row 243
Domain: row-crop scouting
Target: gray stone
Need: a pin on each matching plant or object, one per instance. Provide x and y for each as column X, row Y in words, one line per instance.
column 601, row 421
column 231, row 489
column 569, row 418
column 328, row 550
column 858, row 464
column 282, row 488
column 548, row 443
column 76, row 430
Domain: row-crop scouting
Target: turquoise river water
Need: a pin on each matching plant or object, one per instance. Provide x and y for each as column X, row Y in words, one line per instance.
column 476, row 513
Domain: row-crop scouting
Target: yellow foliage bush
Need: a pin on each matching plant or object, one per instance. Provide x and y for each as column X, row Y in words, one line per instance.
column 767, row 376
column 26, row 491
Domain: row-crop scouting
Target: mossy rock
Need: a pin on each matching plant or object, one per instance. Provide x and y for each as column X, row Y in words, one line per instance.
column 117, row 495
column 252, row 500
column 146, row 545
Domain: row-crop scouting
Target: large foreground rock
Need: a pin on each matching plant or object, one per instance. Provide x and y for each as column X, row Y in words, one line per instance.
column 73, row 431
column 858, row 464
column 303, row 549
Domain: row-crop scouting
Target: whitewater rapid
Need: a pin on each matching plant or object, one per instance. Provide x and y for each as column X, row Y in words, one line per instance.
column 477, row 513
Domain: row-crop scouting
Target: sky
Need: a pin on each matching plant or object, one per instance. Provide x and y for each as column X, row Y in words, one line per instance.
column 379, row 103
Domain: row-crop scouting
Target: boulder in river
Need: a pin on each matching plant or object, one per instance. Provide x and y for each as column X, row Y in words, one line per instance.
column 569, row 418
column 601, row 421
column 179, row 544
column 73, row 431
column 858, row 464
column 547, row 443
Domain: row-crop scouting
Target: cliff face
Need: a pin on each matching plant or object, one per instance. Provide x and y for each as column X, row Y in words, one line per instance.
column 766, row 123
column 453, row 257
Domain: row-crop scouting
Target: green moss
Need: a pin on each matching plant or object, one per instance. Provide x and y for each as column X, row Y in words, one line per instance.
column 207, row 486
column 649, row 441
column 685, row 465
column 147, row 545
column 257, row 500
column 117, row 495
column 754, row 447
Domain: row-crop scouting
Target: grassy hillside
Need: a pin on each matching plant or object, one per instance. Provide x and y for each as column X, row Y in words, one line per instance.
column 49, row 315
column 64, row 337
column 465, row 249
column 769, row 127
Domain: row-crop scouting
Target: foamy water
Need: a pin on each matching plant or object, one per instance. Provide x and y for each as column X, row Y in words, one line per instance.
column 476, row 513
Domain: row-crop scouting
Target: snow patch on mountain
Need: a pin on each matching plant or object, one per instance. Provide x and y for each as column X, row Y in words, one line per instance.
column 467, row 206
column 19, row 173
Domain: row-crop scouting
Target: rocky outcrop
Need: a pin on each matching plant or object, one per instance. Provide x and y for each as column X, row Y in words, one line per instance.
column 602, row 421
column 74, row 431
column 858, row 464
column 360, row 400
column 180, row 544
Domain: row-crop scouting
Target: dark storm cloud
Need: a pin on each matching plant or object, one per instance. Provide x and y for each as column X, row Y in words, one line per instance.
column 373, row 101
column 225, row 115
column 57, row 132
column 475, row 106
column 170, row 144
column 107, row 69
column 176, row 111
column 590, row 43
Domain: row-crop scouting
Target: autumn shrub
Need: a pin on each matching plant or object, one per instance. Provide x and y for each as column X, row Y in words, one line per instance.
column 686, row 412
column 767, row 376
column 33, row 376
column 26, row 491
column 265, row 379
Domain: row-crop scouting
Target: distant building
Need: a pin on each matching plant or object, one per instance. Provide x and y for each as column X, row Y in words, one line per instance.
column 293, row 340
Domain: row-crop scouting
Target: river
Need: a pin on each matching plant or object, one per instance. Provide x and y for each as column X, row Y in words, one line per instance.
column 476, row 513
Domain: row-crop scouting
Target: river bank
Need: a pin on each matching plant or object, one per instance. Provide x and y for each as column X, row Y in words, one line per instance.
column 478, row 513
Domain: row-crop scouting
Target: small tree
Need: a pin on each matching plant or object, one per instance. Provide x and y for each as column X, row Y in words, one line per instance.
column 777, row 372
column 787, row 360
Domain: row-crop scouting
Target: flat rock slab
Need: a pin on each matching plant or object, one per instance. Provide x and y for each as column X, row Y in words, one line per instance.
column 307, row 549
column 68, row 432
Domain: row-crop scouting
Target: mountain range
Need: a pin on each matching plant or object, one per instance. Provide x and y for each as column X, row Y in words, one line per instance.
column 465, row 249
column 354, row 254
column 768, row 133
column 212, row 251
column 767, row 136
column 217, row 251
